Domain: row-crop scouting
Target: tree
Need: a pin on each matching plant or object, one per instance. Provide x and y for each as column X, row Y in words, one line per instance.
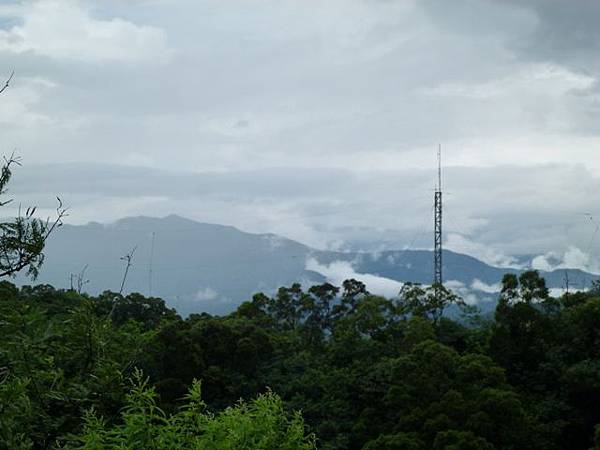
column 260, row 424
column 22, row 240
column 460, row 440
column 595, row 288
column 285, row 308
column 354, row 290
column 527, row 379
column 528, row 287
column 429, row 302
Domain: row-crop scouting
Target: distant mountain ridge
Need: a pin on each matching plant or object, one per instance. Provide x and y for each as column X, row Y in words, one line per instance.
column 199, row 267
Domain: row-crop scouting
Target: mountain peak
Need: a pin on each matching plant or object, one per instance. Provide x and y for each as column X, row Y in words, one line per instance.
column 171, row 222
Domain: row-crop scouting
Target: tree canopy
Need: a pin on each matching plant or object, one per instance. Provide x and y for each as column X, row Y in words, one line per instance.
column 323, row 367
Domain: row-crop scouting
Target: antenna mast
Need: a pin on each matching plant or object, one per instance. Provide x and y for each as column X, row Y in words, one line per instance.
column 150, row 268
column 437, row 252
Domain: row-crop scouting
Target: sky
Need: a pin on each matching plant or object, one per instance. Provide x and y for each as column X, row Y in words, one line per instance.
column 316, row 120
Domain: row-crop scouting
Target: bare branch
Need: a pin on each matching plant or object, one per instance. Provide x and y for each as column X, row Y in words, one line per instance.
column 129, row 258
column 81, row 281
column 7, row 83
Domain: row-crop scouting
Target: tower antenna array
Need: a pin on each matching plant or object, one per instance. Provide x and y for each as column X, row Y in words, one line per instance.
column 437, row 252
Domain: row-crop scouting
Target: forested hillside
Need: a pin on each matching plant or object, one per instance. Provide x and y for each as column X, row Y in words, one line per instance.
column 200, row 267
column 331, row 368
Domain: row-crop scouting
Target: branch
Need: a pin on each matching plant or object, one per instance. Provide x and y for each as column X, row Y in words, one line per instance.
column 81, row 281
column 7, row 83
column 128, row 257
column 61, row 212
column 25, row 259
column 6, row 174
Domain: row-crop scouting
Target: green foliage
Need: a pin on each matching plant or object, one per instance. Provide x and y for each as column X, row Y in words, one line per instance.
column 596, row 438
column 429, row 302
column 22, row 240
column 399, row 441
column 460, row 440
column 59, row 358
column 365, row 371
column 15, row 411
column 527, row 287
column 260, row 424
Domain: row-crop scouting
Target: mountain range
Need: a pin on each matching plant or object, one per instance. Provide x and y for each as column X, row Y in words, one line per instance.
column 199, row 267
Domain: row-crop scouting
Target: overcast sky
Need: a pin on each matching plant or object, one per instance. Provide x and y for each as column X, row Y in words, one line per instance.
column 318, row 120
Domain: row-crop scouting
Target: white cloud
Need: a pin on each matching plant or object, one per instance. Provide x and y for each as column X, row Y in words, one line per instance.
column 479, row 285
column 19, row 105
column 571, row 258
column 559, row 292
column 466, row 293
column 485, row 253
column 548, row 79
column 541, row 262
column 207, row 294
column 338, row 271
column 454, row 284
column 575, row 258
column 66, row 29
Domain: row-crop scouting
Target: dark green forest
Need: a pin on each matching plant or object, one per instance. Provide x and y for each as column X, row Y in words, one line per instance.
column 327, row 368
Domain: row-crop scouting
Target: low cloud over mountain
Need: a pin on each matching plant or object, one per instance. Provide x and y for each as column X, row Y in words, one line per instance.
column 204, row 267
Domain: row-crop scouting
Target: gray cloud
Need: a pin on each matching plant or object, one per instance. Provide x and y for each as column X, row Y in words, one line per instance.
column 296, row 118
column 564, row 32
column 494, row 213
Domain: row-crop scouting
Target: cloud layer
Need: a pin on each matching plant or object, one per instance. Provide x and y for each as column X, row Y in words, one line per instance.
column 316, row 120
column 339, row 271
column 67, row 30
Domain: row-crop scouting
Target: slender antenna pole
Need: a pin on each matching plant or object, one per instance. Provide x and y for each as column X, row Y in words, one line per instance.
column 439, row 167
column 150, row 270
